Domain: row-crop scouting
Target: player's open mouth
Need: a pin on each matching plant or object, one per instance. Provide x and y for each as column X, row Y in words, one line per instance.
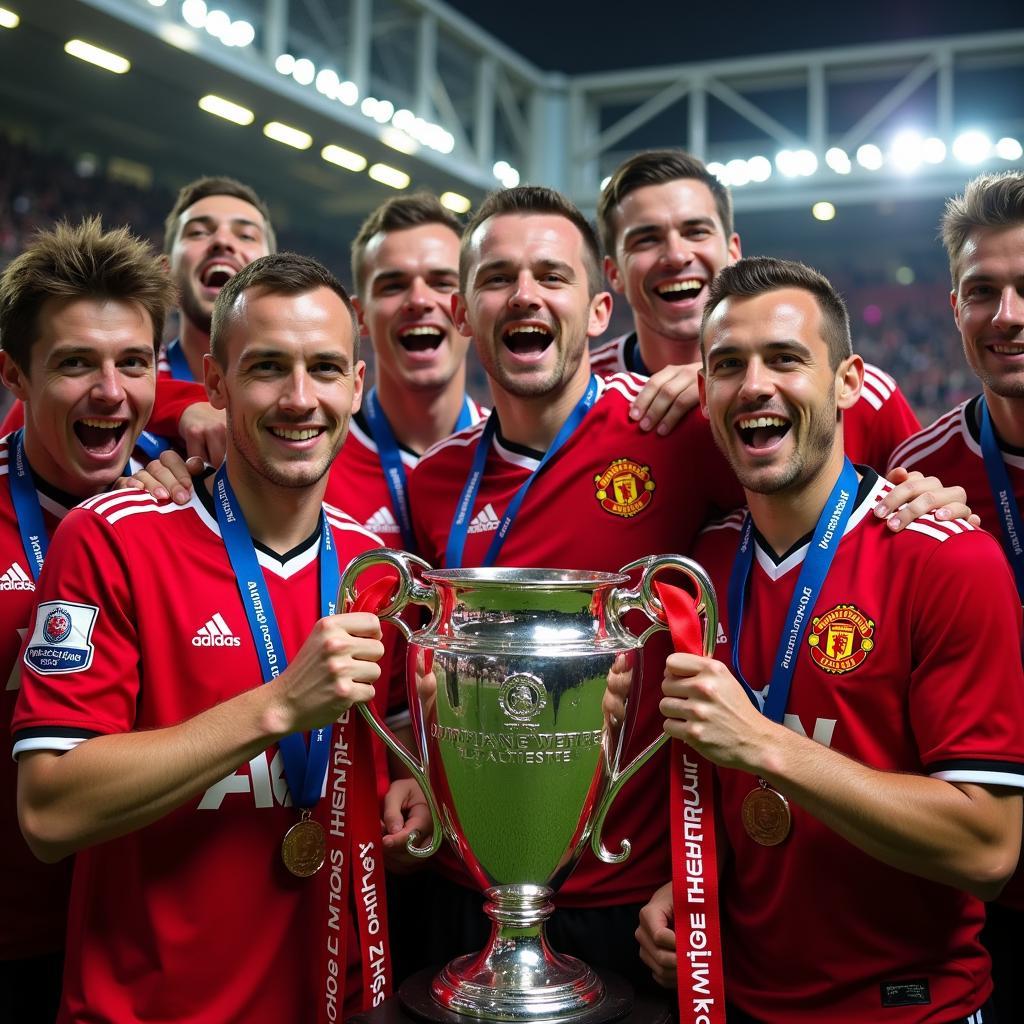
column 420, row 338
column 762, row 432
column 215, row 275
column 100, row 436
column 679, row 291
column 527, row 339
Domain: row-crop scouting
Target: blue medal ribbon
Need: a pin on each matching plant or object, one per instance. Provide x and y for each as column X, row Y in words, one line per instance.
column 179, row 364
column 31, row 525
column 151, row 445
column 304, row 769
column 464, row 509
column 1002, row 491
column 390, row 454
column 824, row 541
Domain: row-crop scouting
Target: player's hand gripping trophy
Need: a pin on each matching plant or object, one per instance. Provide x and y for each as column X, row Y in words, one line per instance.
column 519, row 693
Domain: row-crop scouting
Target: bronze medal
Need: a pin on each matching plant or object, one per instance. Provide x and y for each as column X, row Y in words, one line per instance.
column 766, row 815
column 304, row 847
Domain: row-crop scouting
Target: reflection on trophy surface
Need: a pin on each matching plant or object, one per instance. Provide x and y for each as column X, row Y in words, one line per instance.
column 519, row 691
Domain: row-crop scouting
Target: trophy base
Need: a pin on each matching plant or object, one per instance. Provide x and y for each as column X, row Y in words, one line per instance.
column 417, row 996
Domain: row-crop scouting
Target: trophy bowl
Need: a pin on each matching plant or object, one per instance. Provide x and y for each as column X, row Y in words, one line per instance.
column 519, row 692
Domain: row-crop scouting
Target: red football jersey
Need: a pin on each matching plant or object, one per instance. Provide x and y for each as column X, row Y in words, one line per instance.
column 357, row 484
column 34, row 896
column 876, row 424
column 910, row 664
column 140, row 625
column 565, row 523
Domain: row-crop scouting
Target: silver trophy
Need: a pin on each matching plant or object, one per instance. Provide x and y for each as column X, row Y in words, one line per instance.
column 519, row 693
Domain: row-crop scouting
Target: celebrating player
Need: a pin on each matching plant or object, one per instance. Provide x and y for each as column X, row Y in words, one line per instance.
column 560, row 476
column 867, row 710
column 146, row 742
column 667, row 228
column 981, row 441
column 81, row 314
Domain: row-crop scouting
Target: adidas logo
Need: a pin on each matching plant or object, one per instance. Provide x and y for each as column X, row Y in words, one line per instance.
column 216, row 633
column 16, row 579
column 382, row 521
column 484, row 521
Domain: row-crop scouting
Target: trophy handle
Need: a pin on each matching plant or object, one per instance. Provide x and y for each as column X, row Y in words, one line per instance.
column 409, row 591
column 644, row 599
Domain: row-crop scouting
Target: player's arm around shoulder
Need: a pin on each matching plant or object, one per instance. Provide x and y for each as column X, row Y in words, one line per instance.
column 85, row 774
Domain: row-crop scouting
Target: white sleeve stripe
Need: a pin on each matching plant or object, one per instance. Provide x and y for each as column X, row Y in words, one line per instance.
column 918, row 527
column 985, row 778
column 163, row 510
column 61, row 743
column 104, row 503
column 917, row 447
column 888, row 379
column 866, row 395
column 355, row 528
column 877, row 384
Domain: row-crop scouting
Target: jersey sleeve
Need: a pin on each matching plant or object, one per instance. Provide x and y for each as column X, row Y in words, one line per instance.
column 967, row 686
column 173, row 397
column 79, row 662
column 882, row 420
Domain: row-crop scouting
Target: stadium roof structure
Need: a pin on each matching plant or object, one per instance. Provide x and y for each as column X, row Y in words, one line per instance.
column 414, row 87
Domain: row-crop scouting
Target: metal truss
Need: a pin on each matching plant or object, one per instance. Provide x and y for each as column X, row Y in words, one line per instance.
column 570, row 132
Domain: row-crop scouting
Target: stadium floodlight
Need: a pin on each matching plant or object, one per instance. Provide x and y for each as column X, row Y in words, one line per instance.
column 304, row 71
column 341, row 157
column 455, row 202
column 786, row 163
column 97, row 55
column 390, row 176
column 194, row 12
column 839, row 160
column 869, row 156
column 606, row 181
column 1009, row 149
column 397, row 139
column 369, row 105
column 347, row 93
column 806, row 162
column 285, row 64
column 718, row 170
column 157, row 3
column 402, row 119
column 933, row 150
column 907, row 151
column 218, row 24
column 327, row 81
column 225, row 108
column 506, row 173
column 446, row 142
column 384, row 112
column 823, row 210
column 8, row 19
column 905, row 275
column 294, row 137
column 759, row 168
column 972, row 147
column 240, row 34
column 737, row 172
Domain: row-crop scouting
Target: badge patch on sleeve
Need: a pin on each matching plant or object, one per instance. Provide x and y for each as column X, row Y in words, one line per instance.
column 62, row 637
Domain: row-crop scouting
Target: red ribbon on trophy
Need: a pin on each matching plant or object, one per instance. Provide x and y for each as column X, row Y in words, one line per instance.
column 354, row 873
column 700, row 979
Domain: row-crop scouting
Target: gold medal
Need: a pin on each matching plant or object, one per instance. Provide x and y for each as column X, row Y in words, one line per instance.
column 766, row 815
column 304, row 847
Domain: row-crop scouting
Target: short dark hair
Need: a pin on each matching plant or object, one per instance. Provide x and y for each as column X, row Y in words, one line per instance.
column 79, row 261
column 757, row 275
column 399, row 214
column 281, row 273
column 656, row 167
column 989, row 201
column 201, row 188
column 534, row 199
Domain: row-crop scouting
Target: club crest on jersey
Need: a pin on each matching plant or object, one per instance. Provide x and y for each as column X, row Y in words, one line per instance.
column 625, row 488
column 61, row 637
column 841, row 638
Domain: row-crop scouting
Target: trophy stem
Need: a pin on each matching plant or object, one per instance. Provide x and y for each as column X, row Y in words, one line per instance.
column 517, row 976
